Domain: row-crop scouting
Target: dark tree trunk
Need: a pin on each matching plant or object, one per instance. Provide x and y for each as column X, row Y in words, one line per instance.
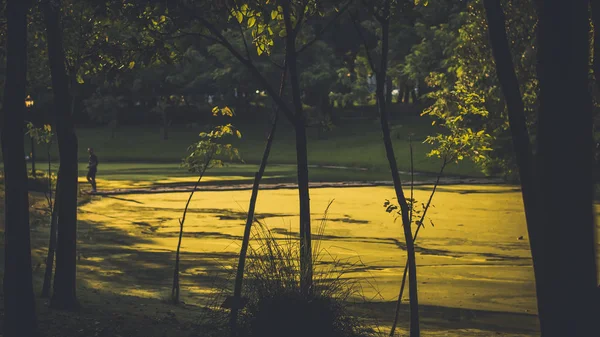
column 595, row 6
column 406, row 91
column 64, row 296
column 51, row 245
column 19, row 301
column 566, row 209
column 175, row 289
column 521, row 143
column 301, row 156
column 239, row 277
column 32, row 157
column 388, row 91
column 413, row 94
column 391, row 157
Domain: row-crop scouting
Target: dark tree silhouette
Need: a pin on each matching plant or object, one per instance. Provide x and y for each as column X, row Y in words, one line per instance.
column 239, row 277
column 565, row 147
column 19, row 301
column 520, row 136
column 568, row 294
column 64, row 295
column 382, row 15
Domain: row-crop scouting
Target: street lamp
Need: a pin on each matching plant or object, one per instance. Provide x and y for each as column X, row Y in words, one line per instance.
column 29, row 104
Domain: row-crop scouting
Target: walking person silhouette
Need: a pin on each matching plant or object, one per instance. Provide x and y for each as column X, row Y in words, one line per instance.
column 92, row 169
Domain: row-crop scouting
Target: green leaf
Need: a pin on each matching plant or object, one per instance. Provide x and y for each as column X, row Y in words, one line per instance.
column 251, row 22
column 274, row 14
column 239, row 16
column 131, row 64
column 80, row 79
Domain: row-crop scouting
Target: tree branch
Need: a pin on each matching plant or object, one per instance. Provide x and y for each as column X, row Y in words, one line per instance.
column 300, row 18
column 320, row 33
column 248, row 63
column 364, row 41
column 241, row 29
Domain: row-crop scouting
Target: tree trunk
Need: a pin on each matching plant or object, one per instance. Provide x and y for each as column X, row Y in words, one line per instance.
column 239, row 277
column 301, row 156
column 521, row 144
column 176, row 287
column 595, row 6
column 391, row 157
column 419, row 225
column 51, row 245
column 32, row 157
column 64, row 296
column 406, row 94
column 566, row 209
column 388, row 91
column 413, row 94
column 19, row 301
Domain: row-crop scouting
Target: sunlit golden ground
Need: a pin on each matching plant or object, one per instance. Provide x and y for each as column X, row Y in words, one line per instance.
column 472, row 258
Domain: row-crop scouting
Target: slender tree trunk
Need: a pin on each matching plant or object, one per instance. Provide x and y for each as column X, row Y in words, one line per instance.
column 406, row 94
column 566, row 209
column 414, row 96
column 391, row 157
column 175, row 289
column 520, row 138
column 19, row 301
column 239, row 277
column 64, row 296
column 419, row 225
column 388, row 91
column 32, row 157
column 301, row 156
column 51, row 245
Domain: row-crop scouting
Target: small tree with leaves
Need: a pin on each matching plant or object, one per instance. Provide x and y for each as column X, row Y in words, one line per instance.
column 210, row 151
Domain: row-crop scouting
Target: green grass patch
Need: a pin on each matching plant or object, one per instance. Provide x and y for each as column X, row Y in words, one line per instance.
column 355, row 144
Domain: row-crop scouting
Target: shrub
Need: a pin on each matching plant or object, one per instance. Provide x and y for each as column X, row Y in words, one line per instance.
column 275, row 306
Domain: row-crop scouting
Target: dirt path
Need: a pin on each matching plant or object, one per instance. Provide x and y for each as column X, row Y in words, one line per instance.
column 239, row 187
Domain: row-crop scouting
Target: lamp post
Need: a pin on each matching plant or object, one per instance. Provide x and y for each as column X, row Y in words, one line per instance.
column 29, row 104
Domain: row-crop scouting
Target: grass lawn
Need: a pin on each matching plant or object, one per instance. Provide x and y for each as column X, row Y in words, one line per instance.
column 356, row 144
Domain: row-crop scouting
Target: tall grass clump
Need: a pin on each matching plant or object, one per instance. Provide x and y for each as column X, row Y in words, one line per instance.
column 274, row 304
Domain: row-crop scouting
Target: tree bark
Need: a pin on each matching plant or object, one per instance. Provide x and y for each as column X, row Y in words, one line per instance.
column 51, row 245
column 64, row 295
column 301, row 155
column 406, row 94
column 521, row 143
column 419, row 225
column 32, row 157
column 388, row 91
column 565, row 147
column 176, row 287
column 19, row 301
column 595, row 7
column 391, row 157
column 239, row 278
